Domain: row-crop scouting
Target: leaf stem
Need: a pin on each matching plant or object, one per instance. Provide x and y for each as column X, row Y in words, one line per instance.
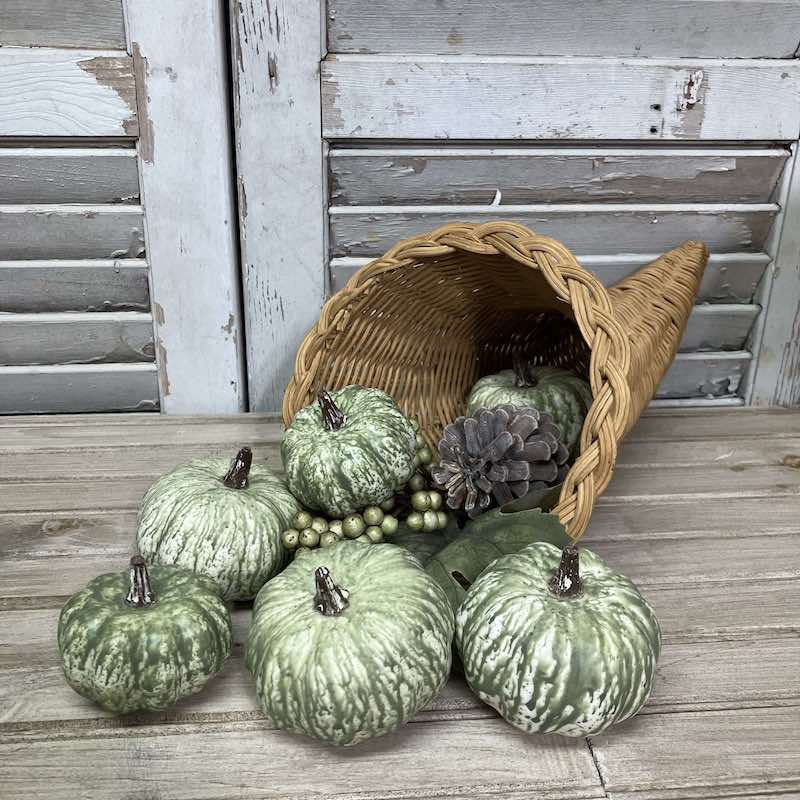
column 140, row 594
column 566, row 581
column 332, row 415
column 329, row 599
column 239, row 473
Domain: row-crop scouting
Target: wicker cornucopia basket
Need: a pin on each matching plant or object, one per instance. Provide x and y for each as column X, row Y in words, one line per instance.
column 425, row 320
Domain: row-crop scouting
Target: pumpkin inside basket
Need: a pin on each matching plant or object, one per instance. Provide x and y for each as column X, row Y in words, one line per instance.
column 438, row 311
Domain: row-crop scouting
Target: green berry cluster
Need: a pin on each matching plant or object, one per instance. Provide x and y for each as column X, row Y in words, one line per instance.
column 309, row 532
column 424, row 456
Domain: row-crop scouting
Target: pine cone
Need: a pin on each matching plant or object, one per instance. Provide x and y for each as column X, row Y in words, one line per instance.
column 499, row 454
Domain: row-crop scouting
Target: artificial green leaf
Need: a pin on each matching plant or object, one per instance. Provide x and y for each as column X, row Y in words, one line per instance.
column 490, row 536
column 424, row 545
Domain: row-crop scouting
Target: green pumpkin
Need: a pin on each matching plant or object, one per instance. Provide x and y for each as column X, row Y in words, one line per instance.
column 349, row 642
column 558, row 392
column 139, row 640
column 225, row 523
column 355, row 449
column 556, row 649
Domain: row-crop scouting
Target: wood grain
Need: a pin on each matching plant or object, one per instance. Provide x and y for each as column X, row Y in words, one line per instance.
column 506, row 97
column 187, row 178
column 729, row 277
column 96, row 24
column 78, row 387
column 68, row 338
column 281, row 182
column 71, row 231
column 680, row 28
column 475, row 175
column 719, row 327
column 68, row 175
column 86, row 285
column 66, row 93
column 602, row 229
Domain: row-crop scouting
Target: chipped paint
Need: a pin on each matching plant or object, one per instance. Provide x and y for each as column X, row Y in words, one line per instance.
column 118, row 75
column 690, row 95
column 690, row 105
column 141, row 72
column 272, row 71
column 163, row 377
column 228, row 328
column 158, row 313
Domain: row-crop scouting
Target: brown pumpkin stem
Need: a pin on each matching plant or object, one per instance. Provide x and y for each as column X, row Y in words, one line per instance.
column 332, row 415
column 566, row 582
column 237, row 476
column 140, row 594
column 522, row 372
column 329, row 599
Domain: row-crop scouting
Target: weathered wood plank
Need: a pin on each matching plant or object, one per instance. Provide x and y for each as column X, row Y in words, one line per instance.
column 78, row 387
column 68, row 175
column 66, row 93
column 403, row 97
column 601, row 228
column 719, row 327
column 704, row 374
column 184, row 150
column 68, row 338
column 701, row 755
column 482, row 758
column 527, row 175
column 94, row 24
column 679, row 28
column 90, row 285
column 71, row 232
column 729, row 277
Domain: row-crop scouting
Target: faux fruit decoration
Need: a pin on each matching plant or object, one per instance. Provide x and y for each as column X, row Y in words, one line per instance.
column 496, row 455
column 219, row 518
column 354, row 449
column 349, row 642
column 555, row 391
column 557, row 642
column 141, row 640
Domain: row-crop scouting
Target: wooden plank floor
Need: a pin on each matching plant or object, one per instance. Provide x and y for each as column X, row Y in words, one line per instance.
column 702, row 513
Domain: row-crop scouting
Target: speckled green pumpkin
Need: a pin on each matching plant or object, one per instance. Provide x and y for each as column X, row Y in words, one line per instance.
column 346, row 674
column 192, row 518
column 548, row 663
column 338, row 465
column 558, row 392
column 141, row 658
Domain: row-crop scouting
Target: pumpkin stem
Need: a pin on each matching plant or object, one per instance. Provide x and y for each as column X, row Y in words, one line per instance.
column 236, row 477
column 329, row 599
column 331, row 413
column 522, row 373
column 140, row 594
column 566, row 582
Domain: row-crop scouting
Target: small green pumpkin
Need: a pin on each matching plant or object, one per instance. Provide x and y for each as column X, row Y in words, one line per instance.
column 556, row 649
column 355, row 449
column 349, row 642
column 553, row 390
column 139, row 640
column 220, row 521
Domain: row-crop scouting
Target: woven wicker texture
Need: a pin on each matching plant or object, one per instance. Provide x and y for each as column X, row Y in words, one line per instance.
column 437, row 311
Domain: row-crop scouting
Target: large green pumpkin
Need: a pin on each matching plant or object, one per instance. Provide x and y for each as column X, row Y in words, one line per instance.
column 554, row 648
column 354, row 449
column 349, row 642
column 139, row 641
column 556, row 391
column 220, row 521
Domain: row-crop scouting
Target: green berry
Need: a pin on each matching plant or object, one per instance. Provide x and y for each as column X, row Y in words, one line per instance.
column 290, row 538
column 389, row 525
column 442, row 517
column 414, row 423
column 415, row 521
column 319, row 524
column 388, row 504
column 420, row 441
column 374, row 533
column 416, row 462
column 353, row 526
column 417, row 482
column 372, row 515
column 430, row 521
column 302, row 519
column 435, row 500
column 309, row 537
column 335, row 526
column 420, row 501
column 424, row 455
column 301, row 551
column 327, row 539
